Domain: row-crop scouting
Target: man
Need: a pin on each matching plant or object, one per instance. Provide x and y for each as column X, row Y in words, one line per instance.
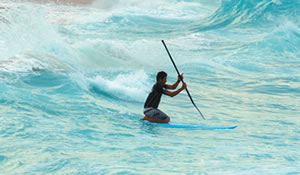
column 151, row 111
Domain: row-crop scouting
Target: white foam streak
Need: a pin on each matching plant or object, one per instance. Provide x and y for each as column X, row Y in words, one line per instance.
column 132, row 86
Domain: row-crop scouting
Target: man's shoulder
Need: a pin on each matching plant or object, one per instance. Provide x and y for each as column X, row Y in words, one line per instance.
column 159, row 86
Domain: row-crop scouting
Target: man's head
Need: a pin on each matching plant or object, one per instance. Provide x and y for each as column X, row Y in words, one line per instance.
column 161, row 77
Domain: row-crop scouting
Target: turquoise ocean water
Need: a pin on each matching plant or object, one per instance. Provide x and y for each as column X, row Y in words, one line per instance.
column 74, row 77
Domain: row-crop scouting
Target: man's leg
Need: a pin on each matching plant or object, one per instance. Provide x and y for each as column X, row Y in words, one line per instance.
column 156, row 115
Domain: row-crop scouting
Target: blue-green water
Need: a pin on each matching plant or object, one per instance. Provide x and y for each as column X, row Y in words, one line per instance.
column 73, row 80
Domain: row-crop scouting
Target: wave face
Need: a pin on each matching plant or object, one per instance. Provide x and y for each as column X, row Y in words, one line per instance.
column 74, row 76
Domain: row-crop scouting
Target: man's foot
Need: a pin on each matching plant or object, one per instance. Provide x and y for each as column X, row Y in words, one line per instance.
column 156, row 120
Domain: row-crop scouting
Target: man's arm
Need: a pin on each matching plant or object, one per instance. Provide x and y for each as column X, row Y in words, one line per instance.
column 172, row 94
column 174, row 86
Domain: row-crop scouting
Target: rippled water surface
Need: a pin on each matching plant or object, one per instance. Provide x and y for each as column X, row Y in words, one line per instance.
column 74, row 77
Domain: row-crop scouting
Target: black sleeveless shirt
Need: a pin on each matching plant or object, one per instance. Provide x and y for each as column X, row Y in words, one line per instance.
column 153, row 98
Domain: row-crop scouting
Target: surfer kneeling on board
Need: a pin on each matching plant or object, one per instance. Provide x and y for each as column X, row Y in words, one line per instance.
column 151, row 111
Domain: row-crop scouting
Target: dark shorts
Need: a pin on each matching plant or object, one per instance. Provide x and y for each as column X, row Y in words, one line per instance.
column 155, row 113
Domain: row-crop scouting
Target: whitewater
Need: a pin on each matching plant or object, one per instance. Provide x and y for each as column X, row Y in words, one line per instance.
column 74, row 77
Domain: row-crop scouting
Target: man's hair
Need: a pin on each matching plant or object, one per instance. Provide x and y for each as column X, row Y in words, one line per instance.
column 161, row 75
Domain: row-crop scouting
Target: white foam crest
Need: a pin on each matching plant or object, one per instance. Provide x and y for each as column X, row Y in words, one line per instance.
column 32, row 62
column 157, row 7
column 21, row 63
column 23, row 32
column 132, row 86
column 112, row 4
column 32, row 33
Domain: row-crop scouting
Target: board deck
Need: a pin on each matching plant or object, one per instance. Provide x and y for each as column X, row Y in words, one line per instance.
column 194, row 126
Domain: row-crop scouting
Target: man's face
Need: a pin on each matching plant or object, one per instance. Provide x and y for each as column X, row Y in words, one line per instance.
column 163, row 81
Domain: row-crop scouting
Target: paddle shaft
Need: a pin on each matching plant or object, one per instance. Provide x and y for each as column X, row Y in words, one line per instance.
column 187, row 91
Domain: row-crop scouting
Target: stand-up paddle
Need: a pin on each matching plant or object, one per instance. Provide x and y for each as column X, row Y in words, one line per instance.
column 181, row 79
